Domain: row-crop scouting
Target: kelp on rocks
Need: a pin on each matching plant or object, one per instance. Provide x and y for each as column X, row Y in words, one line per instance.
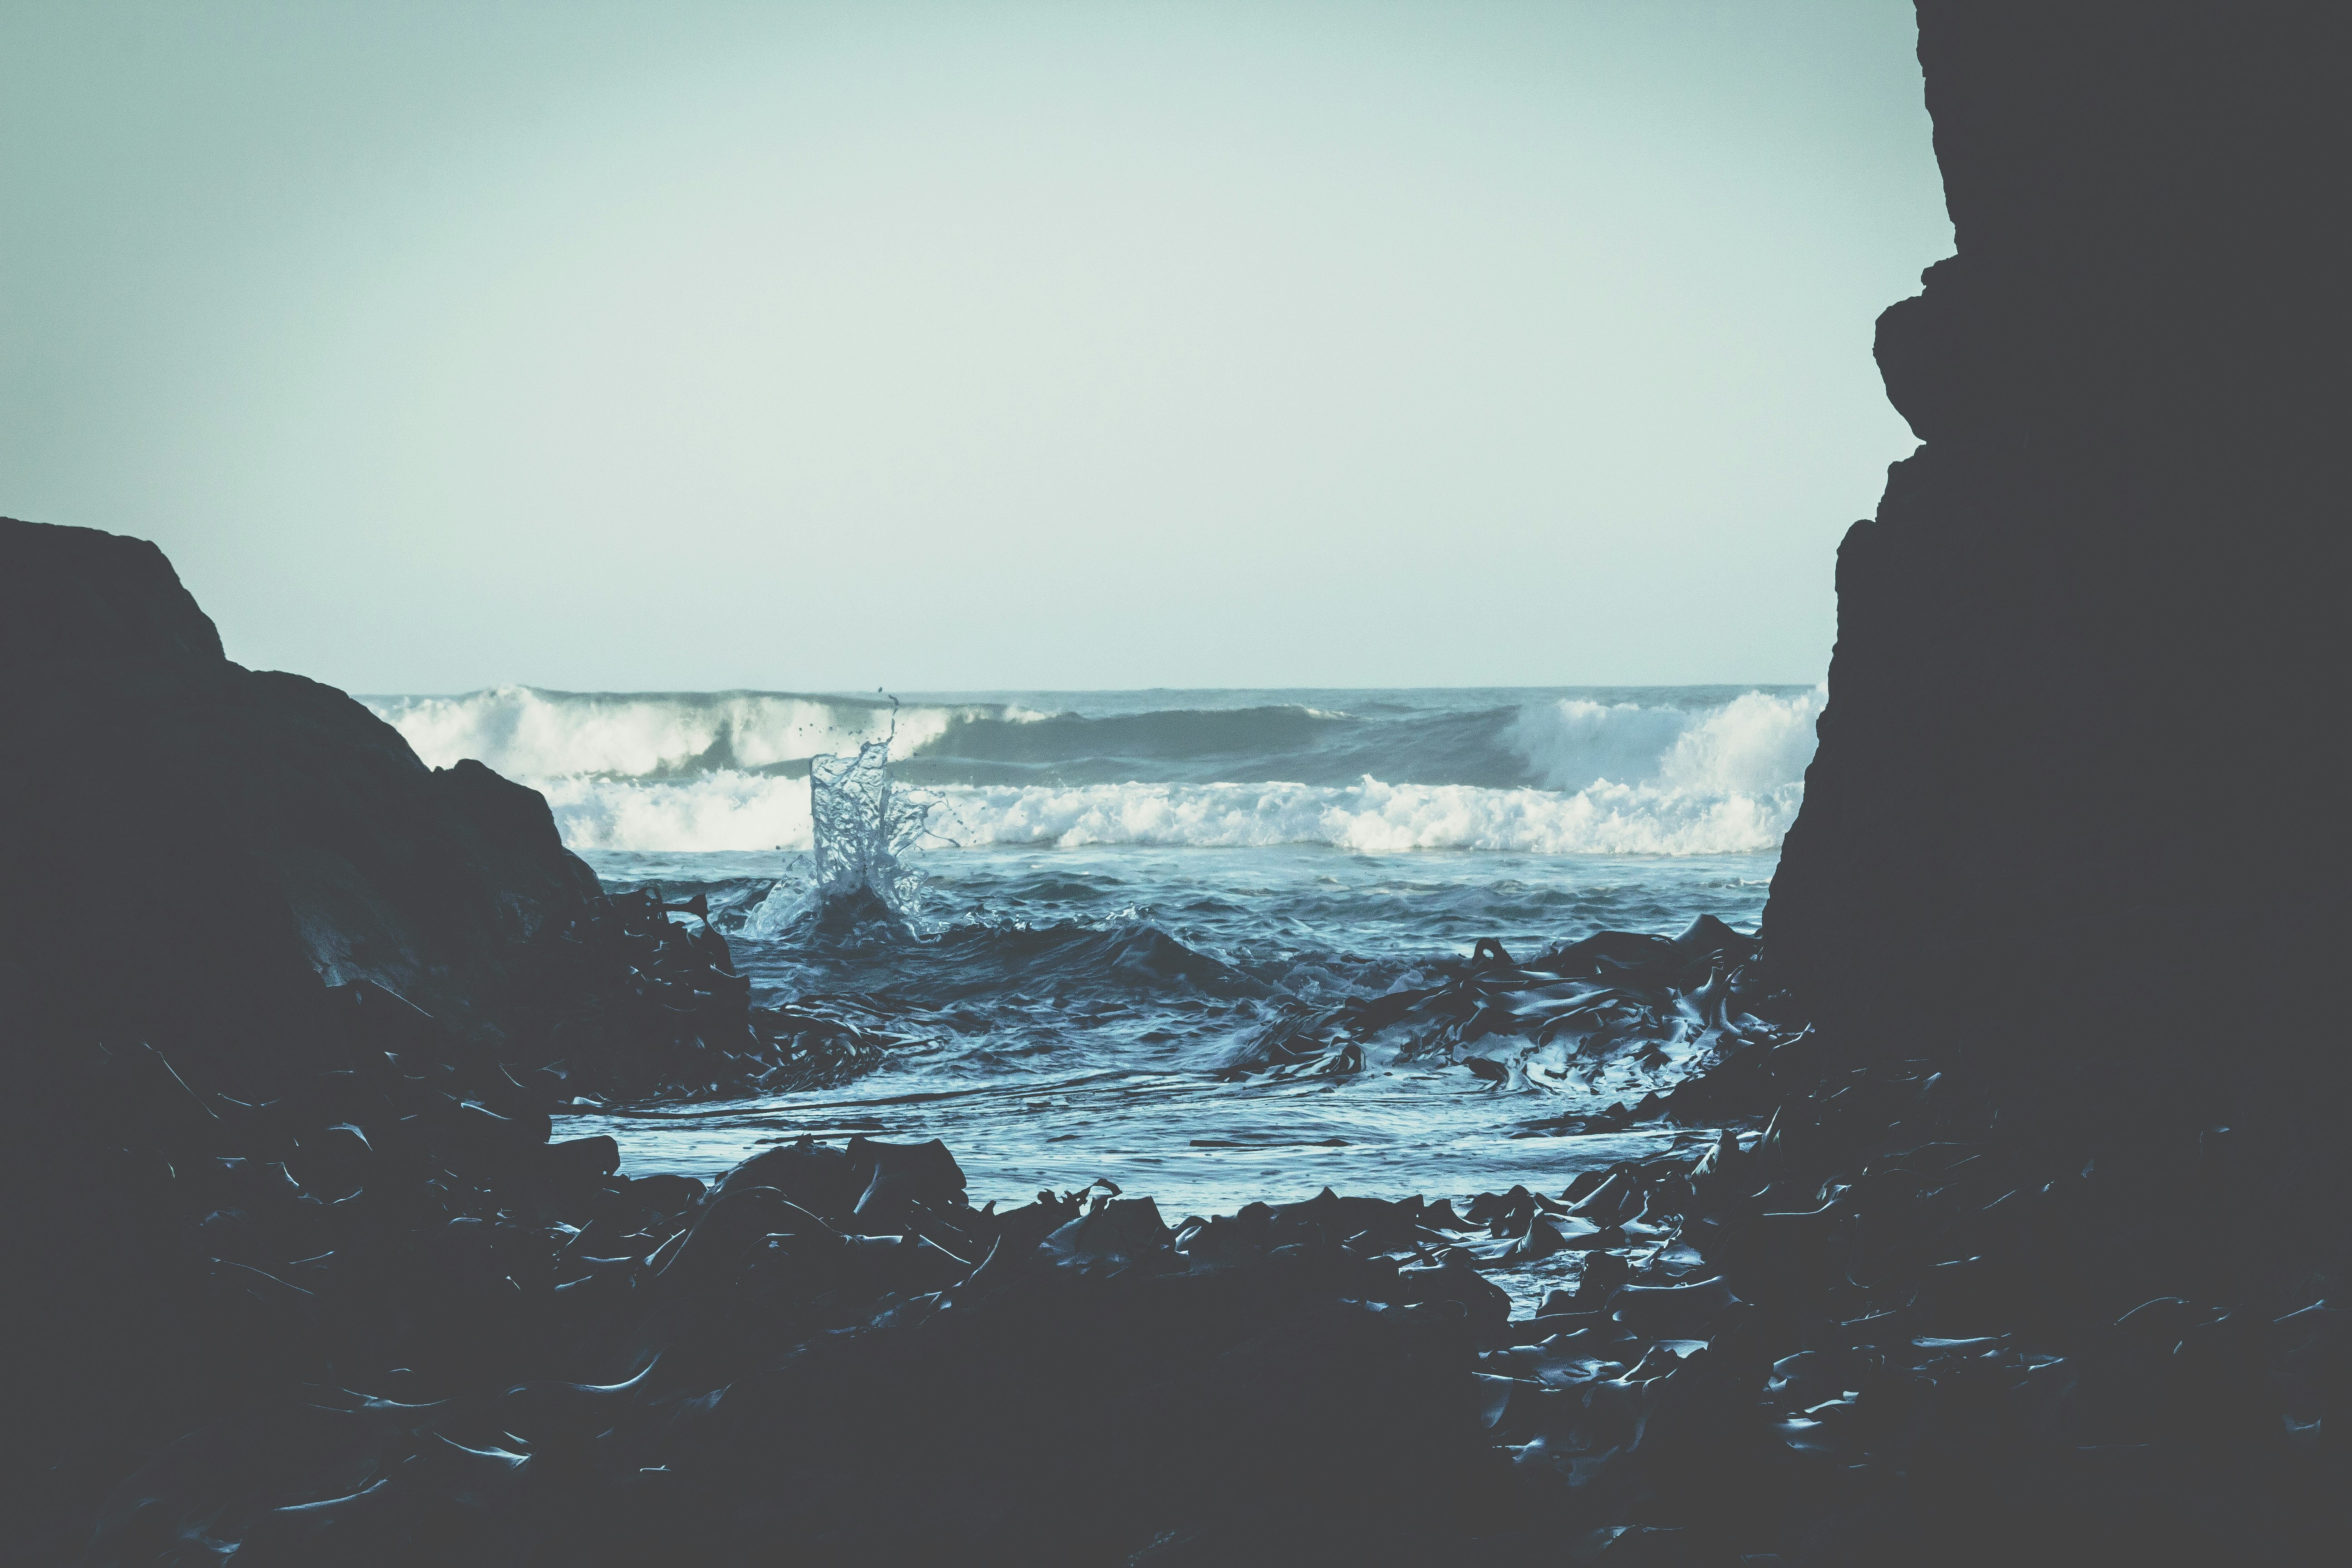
column 1619, row 1013
column 678, row 1023
column 386, row 1319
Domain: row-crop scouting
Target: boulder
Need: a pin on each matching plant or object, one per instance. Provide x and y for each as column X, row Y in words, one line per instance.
column 198, row 851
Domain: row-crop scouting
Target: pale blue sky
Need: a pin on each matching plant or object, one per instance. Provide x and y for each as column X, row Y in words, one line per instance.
column 996, row 345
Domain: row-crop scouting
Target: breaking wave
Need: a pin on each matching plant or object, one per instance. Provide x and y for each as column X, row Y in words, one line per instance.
column 527, row 734
column 1675, row 772
column 1753, row 745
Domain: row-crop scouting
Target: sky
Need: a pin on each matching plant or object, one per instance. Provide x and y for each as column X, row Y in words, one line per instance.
column 961, row 346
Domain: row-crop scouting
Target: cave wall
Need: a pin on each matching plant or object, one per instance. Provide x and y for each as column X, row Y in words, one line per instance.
column 196, row 851
column 2074, row 780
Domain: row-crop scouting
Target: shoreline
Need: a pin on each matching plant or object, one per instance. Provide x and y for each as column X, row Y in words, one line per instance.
column 394, row 1319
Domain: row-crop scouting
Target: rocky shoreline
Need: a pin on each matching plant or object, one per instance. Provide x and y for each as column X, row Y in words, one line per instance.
column 383, row 1319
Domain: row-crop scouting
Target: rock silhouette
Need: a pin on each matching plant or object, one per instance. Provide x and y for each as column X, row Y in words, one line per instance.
column 2068, row 790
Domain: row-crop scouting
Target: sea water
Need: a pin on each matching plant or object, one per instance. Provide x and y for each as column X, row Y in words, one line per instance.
column 1117, row 887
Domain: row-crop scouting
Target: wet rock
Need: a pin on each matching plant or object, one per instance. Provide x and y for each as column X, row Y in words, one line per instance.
column 1620, row 1009
column 1114, row 1235
column 897, row 1176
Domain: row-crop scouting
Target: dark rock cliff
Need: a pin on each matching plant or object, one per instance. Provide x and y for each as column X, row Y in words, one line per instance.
column 196, row 851
column 2074, row 783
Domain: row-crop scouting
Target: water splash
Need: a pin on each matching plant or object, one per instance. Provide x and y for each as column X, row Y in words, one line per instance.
column 865, row 827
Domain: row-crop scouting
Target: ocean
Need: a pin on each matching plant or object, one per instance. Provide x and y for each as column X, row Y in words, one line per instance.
column 1119, row 887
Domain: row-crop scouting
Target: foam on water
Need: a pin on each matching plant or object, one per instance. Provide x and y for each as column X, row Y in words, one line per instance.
column 1677, row 772
column 1754, row 745
column 731, row 810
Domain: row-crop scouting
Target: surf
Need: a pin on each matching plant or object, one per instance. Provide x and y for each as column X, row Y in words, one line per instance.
column 1662, row 771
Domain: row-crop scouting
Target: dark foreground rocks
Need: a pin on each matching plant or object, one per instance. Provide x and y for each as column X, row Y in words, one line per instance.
column 257, row 838
column 386, row 1319
column 206, row 858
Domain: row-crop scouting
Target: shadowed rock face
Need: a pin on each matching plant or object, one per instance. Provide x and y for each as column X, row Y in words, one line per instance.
column 2070, row 773
column 196, row 851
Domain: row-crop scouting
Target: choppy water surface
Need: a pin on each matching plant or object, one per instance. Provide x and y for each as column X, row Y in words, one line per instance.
column 1122, row 887
column 1072, row 1004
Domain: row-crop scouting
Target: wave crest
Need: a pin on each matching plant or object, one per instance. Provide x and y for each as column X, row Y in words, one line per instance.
column 1752, row 746
column 525, row 732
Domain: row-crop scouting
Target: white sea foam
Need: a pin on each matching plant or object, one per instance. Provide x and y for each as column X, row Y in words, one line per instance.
column 722, row 810
column 1375, row 818
column 1752, row 745
column 731, row 810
